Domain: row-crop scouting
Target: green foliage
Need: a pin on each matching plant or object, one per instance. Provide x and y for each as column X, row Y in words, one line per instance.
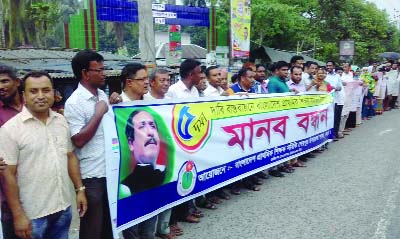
column 283, row 24
column 298, row 24
column 108, row 37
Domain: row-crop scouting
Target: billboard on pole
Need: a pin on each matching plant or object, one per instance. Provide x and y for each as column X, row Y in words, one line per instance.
column 347, row 48
column 240, row 28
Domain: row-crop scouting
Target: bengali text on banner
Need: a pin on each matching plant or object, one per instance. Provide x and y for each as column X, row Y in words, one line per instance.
column 163, row 153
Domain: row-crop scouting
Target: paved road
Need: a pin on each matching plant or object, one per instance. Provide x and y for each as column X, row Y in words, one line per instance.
column 351, row 191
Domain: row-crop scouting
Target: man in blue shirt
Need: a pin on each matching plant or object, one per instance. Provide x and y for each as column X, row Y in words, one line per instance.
column 245, row 83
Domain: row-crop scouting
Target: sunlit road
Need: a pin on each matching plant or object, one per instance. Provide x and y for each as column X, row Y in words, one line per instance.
column 350, row 191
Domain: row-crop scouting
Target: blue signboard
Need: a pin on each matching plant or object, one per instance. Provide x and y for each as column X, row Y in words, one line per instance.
column 127, row 11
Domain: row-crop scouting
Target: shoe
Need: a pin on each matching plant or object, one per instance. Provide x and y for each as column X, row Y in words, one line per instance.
column 262, row 175
column 276, row 173
column 335, row 139
column 252, row 187
column 170, row 235
column 235, row 191
column 304, row 160
column 256, row 180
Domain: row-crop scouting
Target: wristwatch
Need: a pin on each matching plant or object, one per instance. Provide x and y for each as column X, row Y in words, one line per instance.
column 81, row 188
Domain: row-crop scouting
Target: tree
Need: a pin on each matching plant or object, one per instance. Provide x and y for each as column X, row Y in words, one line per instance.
column 2, row 36
column 44, row 16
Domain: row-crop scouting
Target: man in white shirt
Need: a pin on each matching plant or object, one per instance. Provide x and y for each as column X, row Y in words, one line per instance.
column 310, row 68
column 190, row 73
column 334, row 80
column 393, row 85
column 135, row 83
column 159, row 85
column 347, row 76
column 214, row 82
column 84, row 111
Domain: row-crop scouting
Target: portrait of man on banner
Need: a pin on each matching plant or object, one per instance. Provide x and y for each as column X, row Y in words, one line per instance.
column 147, row 152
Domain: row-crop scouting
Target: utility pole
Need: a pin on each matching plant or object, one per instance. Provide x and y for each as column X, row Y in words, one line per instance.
column 146, row 33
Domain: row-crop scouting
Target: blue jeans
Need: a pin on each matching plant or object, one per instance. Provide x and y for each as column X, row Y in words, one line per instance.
column 55, row 225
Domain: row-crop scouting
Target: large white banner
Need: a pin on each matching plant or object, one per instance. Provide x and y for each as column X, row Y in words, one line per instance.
column 163, row 153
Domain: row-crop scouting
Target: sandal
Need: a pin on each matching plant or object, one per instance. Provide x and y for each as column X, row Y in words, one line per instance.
column 235, row 191
column 170, row 235
column 253, row 187
column 210, row 205
column 176, row 229
column 298, row 164
column 215, row 200
column 191, row 219
column 198, row 214
column 257, row 180
column 223, row 195
column 287, row 169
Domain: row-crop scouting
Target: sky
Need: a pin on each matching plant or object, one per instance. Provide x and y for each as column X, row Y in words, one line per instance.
column 390, row 6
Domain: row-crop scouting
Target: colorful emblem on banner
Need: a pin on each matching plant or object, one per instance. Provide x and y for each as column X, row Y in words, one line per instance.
column 191, row 128
column 186, row 178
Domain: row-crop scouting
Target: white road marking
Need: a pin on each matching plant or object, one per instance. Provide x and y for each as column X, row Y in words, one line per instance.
column 385, row 132
column 391, row 204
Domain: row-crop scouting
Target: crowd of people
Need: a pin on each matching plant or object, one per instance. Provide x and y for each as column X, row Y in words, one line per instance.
column 42, row 151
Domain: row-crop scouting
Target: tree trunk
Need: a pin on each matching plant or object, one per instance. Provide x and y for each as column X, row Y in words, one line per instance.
column 119, row 33
column 15, row 26
column 2, row 36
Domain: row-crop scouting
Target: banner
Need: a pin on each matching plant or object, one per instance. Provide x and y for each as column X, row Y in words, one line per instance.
column 240, row 28
column 174, row 50
column 346, row 48
column 163, row 153
column 354, row 96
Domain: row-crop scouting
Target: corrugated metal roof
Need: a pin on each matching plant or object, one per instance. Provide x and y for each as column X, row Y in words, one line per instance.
column 279, row 55
column 56, row 62
column 189, row 51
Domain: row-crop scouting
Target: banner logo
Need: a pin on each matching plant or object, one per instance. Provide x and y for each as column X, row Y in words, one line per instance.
column 186, row 178
column 191, row 128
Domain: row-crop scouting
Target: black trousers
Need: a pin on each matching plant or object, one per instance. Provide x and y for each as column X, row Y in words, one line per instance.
column 351, row 121
column 96, row 224
column 336, row 119
column 393, row 102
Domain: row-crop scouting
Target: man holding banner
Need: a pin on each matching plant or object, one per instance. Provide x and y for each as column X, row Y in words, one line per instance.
column 144, row 147
column 84, row 111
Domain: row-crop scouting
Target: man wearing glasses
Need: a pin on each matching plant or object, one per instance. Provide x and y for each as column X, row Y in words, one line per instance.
column 84, row 111
column 135, row 82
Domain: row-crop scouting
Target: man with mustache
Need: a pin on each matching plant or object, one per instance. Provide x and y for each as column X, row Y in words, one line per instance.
column 144, row 145
column 11, row 103
column 41, row 165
